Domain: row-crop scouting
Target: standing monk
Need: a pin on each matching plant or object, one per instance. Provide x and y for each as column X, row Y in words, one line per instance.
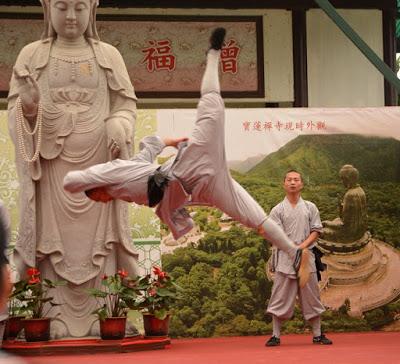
column 300, row 220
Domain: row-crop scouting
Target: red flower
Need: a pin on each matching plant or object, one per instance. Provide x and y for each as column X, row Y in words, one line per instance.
column 160, row 273
column 104, row 277
column 157, row 270
column 34, row 280
column 152, row 292
column 123, row 273
column 33, row 272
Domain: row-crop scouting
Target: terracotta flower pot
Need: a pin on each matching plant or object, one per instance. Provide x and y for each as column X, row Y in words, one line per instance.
column 113, row 328
column 37, row 329
column 13, row 327
column 154, row 326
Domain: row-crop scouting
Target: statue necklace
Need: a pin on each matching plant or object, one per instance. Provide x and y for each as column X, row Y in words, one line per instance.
column 22, row 127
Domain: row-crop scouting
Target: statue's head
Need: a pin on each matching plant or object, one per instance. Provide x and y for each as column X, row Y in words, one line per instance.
column 70, row 18
column 349, row 175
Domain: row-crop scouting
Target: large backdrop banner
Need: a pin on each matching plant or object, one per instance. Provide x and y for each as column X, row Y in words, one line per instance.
column 223, row 267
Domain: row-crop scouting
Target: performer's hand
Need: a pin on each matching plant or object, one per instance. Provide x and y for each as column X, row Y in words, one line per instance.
column 28, row 91
column 170, row 142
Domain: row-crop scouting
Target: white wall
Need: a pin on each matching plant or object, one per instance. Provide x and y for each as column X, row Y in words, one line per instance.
column 278, row 55
column 338, row 73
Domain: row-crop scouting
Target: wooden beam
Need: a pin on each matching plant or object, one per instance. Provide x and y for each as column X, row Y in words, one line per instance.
column 389, row 52
column 299, row 31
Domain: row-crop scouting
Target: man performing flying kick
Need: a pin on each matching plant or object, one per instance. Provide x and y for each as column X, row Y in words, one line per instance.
column 198, row 175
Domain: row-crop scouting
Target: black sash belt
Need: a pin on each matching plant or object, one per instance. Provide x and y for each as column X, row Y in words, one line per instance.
column 318, row 261
column 155, row 187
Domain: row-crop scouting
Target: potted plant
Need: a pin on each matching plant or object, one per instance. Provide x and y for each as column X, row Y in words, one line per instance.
column 116, row 297
column 16, row 312
column 33, row 292
column 158, row 292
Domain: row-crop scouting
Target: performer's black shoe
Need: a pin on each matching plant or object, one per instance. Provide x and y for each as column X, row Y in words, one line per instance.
column 217, row 38
column 321, row 340
column 273, row 341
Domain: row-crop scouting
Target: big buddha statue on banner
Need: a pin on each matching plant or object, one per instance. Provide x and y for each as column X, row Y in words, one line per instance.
column 351, row 224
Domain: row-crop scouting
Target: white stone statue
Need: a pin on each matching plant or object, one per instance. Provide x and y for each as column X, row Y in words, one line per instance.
column 71, row 105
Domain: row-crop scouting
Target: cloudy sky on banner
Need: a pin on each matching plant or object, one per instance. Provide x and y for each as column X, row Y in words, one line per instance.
column 251, row 132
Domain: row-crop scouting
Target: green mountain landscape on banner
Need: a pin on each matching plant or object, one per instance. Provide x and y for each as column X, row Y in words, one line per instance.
column 223, row 275
column 320, row 157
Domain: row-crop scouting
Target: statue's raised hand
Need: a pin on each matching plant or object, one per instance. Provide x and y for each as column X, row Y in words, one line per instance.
column 28, row 91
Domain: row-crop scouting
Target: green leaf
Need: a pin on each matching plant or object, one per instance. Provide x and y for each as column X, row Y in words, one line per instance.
column 161, row 314
column 97, row 293
column 49, row 283
column 163, row 292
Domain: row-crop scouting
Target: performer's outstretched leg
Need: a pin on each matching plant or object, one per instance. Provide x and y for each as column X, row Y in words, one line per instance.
column 226, row 194
column 272, row 232
column 210, row 81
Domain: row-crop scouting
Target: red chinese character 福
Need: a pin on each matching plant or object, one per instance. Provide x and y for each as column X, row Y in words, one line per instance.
column 229, row 54
column 159, row 56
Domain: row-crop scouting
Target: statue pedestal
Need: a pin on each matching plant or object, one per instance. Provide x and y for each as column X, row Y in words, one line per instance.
column 85, row 346
column 367, row 274
column 344, row 248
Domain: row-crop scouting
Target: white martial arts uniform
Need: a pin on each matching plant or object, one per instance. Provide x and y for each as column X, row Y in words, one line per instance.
column 199, row 174
column 208, row 182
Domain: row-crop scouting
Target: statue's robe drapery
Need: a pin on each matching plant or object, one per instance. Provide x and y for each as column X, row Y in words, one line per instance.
column 354, row 213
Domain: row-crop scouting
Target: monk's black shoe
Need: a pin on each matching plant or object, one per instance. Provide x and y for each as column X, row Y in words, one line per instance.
column 273, row 341
column 321, row 340
column 217, row 38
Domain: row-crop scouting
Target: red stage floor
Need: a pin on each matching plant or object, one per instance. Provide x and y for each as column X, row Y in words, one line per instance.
column 348, row 348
